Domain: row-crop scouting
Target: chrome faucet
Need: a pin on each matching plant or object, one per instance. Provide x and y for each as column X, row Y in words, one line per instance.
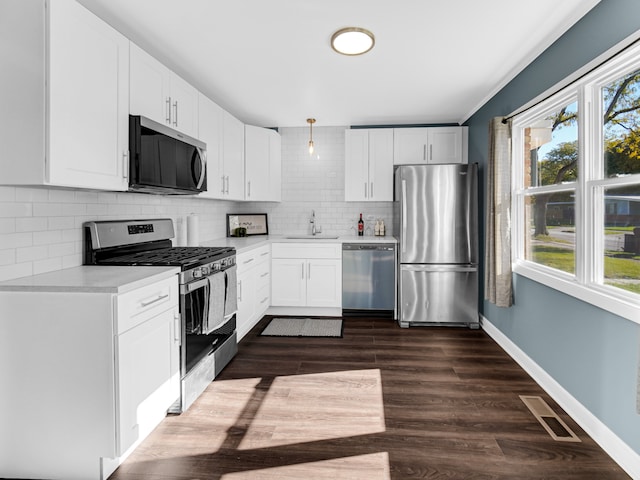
column 313, row 222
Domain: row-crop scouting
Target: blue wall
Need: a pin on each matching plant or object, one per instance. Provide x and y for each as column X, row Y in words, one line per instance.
column 592, row 353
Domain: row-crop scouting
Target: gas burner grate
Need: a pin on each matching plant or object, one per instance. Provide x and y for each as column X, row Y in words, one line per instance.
column 167, row 256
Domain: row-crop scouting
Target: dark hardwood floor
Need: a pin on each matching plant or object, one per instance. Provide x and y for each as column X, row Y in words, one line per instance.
column 380, row 403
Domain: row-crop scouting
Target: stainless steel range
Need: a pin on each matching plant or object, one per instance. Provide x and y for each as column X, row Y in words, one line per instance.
column 208, row 298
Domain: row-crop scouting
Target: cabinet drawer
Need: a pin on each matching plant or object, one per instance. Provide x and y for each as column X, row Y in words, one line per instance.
column 251, row 258
column 139, row 305
column 306, row 250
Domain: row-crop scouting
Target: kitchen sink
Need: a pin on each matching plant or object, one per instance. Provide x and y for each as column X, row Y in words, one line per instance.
column 311, row 237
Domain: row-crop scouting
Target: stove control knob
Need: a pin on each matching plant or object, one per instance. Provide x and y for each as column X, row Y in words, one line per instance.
column 197, row 272
column 204, row 270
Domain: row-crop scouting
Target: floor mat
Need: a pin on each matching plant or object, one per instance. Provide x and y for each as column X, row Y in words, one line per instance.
column 303, row 327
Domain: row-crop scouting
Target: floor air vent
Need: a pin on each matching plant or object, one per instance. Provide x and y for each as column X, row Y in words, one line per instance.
column 549, row 420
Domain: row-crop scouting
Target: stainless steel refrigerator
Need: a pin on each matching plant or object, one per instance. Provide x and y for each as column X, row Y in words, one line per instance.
column 436, row 222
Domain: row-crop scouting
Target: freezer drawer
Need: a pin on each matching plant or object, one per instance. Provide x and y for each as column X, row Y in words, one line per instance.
column 438, row 294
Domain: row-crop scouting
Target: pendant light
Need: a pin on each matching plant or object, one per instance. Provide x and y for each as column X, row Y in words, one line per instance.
column 311, row 121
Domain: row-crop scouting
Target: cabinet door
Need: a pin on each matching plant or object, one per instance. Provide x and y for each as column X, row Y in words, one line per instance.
column 233, row 156
column 288, row 282
column 246, row 302
column 210, row 132
column 256, row 162
column 275, row 166
column 356, row 165
column 184, row 106
column 381, row 165
column 150, row 86
column 148, row 376
column 88, row 100
column 445, row 145
column 410, row 145
column 324, row 283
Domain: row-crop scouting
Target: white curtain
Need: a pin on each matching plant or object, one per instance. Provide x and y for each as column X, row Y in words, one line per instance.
column 497, row 280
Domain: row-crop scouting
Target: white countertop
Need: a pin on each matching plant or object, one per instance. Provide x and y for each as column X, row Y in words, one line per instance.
column 121, row 279
column 90, row 279
column 243, row 244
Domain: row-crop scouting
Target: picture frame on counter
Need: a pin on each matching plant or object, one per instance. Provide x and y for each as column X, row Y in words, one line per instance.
column 247, row 224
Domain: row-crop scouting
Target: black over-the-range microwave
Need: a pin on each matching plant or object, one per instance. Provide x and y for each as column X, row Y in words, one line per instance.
column 163, row 160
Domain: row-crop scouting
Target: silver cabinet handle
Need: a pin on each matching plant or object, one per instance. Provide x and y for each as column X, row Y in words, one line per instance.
column 424, row 152
column 365, row 189
column 431, row 152
column 371, row 190
column 240, row 291
column 403, row 213
column 303, row 271
column 249, row 189
column 125, row 164
column 265, row 274
column 227, row 192
column 177, row 328
column 222, row 178
column 168, row 102
column 175, row 109
column 146, row 303
column 248, row 261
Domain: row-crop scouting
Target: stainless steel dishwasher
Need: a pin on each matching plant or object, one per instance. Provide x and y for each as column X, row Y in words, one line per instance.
column 369, row 279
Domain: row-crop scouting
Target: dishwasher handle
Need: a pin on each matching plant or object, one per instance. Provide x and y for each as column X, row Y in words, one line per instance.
column 368, row 246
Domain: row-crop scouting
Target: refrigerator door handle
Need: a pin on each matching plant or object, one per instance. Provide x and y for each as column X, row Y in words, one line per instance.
column 403, row 206
column 438, row 268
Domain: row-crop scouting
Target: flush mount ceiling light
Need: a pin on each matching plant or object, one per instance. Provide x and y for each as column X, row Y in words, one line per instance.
column 352, row 41
column 311, row 121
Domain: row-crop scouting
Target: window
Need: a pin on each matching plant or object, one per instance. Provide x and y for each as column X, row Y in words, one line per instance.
column 577, row 187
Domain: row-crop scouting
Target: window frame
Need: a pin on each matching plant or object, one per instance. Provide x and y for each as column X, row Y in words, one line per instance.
column 587, row 283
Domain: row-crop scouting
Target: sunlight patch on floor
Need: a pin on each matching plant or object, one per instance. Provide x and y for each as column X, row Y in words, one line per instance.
column 314, row 407
column 374, row 466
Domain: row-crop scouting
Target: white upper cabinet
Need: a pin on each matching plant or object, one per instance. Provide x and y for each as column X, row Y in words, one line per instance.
column 210, row 132
column 224, row 136
column 369, row 165
column 65, row 89
column 256, row 163
column 233, row 156
column 161, row 95
column 275, row 163
column 263, row 166
column 430, row 145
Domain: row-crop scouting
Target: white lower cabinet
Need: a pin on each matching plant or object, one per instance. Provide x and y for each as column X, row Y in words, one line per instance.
column 306, row 275
column 87, row 376
column 254, row 280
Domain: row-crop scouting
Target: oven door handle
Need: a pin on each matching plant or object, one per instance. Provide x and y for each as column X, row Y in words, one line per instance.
column 190, row 287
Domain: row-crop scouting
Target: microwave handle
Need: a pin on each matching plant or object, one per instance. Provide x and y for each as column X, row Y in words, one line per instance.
column 203, row 163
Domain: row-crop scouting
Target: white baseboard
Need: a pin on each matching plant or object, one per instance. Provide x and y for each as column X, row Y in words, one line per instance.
column 622, row 454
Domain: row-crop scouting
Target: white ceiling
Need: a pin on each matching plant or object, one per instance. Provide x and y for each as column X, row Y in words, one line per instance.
column 270, row 63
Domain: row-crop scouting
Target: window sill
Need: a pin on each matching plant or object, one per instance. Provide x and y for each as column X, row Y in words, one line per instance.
column 599, row 296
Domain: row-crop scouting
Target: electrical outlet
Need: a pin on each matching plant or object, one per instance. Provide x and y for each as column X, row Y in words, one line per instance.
column 370, row 217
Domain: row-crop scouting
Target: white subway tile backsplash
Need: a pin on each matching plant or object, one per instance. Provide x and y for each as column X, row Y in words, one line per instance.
column 47, row 237
column 15, row 209
column 7, row 225
column 7, row 194
column 29, row 254
column 31, row 194
column 31, row 224
column 14, row 240
column 16, row 270
column 49, row 265
column 8, row 256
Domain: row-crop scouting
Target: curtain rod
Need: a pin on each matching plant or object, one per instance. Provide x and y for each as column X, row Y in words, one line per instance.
column 597, row 62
